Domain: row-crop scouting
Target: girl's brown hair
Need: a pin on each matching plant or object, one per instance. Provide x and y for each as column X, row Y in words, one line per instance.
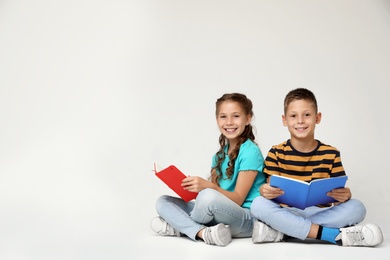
column 246, row 104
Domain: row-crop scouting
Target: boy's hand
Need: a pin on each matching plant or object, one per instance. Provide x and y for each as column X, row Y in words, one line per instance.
column 341, row 195
column 269, row 192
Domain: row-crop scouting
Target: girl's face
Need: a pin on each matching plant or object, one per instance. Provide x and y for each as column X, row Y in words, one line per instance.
column 232, row 119
column 301, row 119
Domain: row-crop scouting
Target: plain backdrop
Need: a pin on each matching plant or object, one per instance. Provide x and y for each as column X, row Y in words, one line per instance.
column 92, row 93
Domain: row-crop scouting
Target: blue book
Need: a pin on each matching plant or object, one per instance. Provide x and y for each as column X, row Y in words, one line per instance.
column 301, row 194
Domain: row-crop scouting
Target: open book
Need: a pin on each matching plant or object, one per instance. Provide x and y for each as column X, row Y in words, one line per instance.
column 301, row 194
column 173, row 177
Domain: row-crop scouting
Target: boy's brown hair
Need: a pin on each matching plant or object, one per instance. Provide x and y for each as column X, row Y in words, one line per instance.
column 298, row 94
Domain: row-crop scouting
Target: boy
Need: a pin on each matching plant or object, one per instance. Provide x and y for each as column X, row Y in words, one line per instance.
column 305, row 158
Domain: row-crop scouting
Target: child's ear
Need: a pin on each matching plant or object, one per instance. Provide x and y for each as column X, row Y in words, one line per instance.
column 318, row 117
column 248, row 120
column 284, row 120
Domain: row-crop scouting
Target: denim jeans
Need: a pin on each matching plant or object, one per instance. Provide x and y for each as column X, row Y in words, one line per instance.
column 296, row 223
column 210, row 208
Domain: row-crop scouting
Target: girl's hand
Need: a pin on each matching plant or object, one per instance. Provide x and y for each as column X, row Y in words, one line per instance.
column 341, row 195
column 269, row 192
column 195, row 184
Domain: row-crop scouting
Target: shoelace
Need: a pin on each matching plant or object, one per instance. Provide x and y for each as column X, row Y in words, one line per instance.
column 168, row 230
column 355, row 236
column 207, row 237
column 165, row 228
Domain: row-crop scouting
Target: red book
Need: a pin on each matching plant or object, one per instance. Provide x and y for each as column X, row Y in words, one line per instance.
column 173, row 177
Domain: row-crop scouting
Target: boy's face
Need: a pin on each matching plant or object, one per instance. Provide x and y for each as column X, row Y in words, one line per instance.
column 301, row 119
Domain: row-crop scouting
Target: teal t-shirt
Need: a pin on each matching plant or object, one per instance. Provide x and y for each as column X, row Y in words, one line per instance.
column 249, row 158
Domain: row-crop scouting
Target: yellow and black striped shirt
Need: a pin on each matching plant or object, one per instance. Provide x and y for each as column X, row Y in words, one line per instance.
column 322, row 162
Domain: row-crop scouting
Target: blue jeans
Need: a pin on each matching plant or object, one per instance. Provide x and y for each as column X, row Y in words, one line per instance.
column 210, row 208
column 296, row 223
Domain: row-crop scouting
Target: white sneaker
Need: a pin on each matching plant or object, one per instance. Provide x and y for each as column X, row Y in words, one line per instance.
column 219, row 235
column 161, row 227
column 263, row 233
column 365, row 235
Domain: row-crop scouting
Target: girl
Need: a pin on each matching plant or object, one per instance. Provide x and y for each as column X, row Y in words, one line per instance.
column 221, row 209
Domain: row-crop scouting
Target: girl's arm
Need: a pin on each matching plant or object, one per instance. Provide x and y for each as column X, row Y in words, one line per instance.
column 244, row 183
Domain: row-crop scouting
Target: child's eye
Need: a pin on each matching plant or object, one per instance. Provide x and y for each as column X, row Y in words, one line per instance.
column 222, row 116
column 307, row 114
column 292, row 116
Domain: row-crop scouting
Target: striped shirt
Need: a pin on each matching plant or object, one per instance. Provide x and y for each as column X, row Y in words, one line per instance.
column 323, row 162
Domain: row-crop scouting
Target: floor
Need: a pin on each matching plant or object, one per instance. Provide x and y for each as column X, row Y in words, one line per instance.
column 148, row 245
column 122, row 231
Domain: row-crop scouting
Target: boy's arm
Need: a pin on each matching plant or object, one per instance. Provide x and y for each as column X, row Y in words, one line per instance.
column 341, row 195
column 269, row 192
column 337, row 167
column 270, row 168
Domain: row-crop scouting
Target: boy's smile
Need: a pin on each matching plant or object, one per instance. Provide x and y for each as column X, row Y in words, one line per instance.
column 301, row 128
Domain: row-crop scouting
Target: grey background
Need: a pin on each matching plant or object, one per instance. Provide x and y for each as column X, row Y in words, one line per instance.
column 92, row 93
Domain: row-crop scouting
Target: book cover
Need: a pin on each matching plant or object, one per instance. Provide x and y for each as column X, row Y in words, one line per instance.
column 173, row 178
column 302, row 194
